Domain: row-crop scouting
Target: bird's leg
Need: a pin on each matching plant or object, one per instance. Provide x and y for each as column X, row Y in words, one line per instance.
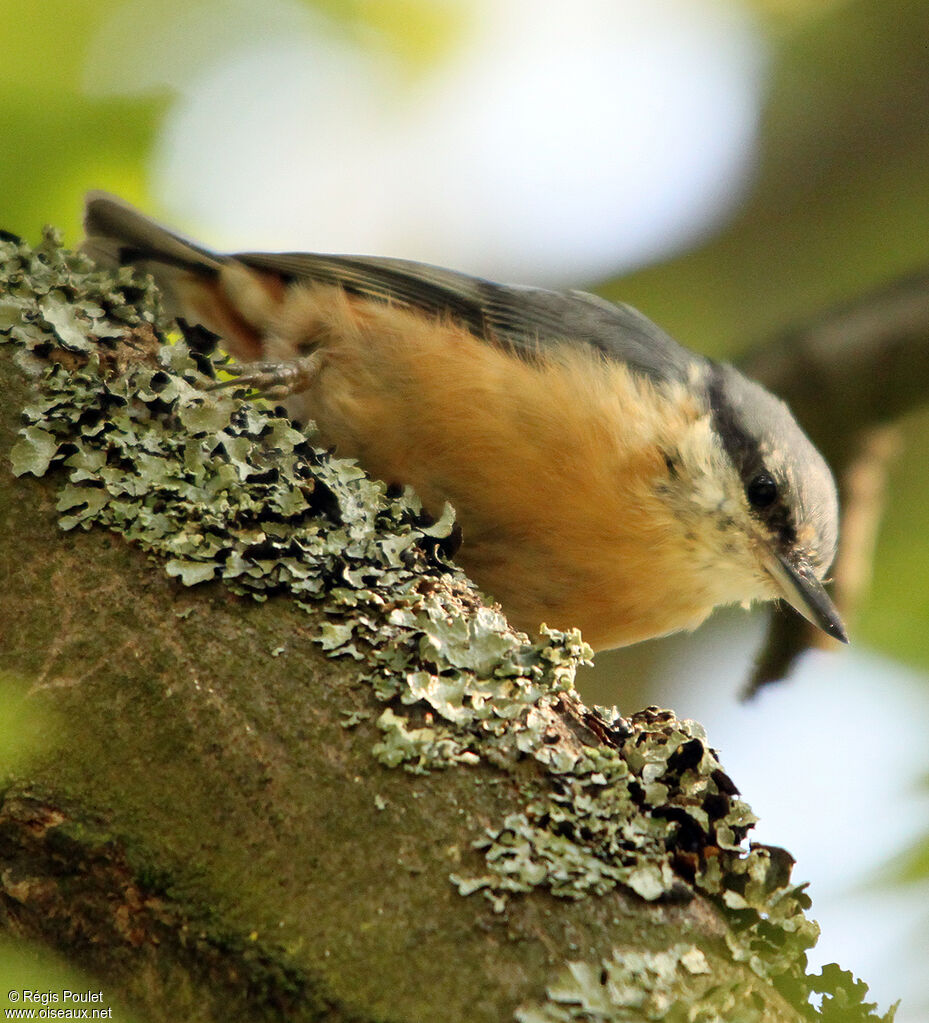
column 274, row 379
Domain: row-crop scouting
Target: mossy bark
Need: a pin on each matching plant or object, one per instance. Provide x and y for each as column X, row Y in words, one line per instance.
column 202, row 833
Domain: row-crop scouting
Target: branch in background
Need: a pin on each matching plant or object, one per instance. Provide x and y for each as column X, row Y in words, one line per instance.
column 858, row 365
column 864, row 486
column 847, row 376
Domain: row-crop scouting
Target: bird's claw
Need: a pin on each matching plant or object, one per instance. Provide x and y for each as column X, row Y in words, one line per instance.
column 273, row 379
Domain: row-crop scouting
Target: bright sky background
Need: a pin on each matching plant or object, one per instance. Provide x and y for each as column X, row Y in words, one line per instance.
column 547, row 144
column 550, row 144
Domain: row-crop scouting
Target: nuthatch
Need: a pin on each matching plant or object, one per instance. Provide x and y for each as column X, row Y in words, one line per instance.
column 603, row 476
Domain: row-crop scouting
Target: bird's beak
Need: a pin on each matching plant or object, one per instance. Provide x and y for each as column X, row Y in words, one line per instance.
column 799, row 586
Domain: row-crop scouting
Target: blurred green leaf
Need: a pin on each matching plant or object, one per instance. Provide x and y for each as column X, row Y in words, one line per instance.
column 418, row 31
column 32, row 978
column 24, row 727
column 58, row 142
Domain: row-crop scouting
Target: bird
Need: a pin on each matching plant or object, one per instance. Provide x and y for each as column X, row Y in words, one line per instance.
column 603, row 476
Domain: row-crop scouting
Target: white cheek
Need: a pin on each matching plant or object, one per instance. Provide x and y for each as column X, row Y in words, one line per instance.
column 722, row 553
column 709, row 496
column 698, row 458
column 697, row 447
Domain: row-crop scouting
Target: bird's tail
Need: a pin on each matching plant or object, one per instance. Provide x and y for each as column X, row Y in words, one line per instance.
column 199, row 285
column 117, row 234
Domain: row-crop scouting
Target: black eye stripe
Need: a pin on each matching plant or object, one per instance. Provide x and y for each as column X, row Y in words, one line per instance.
column 742, row 448
column 745, row 452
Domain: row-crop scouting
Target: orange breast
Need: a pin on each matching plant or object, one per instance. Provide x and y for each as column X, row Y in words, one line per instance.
column 554, row 465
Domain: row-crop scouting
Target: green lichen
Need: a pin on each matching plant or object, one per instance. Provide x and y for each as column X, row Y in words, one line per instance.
column 678, row 985
column 218, row 488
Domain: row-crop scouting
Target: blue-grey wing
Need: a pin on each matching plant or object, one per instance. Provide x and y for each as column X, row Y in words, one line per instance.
column 521, row 318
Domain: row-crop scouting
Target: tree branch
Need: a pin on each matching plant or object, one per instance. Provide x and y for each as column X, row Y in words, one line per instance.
column 239, row 640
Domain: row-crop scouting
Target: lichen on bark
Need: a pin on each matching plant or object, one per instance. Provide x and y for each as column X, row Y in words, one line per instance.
column 259, row 537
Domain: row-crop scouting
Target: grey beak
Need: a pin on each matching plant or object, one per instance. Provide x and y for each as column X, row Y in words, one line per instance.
column 801, row 589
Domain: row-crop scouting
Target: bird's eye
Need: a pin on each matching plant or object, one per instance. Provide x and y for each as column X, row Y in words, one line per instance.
column 761, row 491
